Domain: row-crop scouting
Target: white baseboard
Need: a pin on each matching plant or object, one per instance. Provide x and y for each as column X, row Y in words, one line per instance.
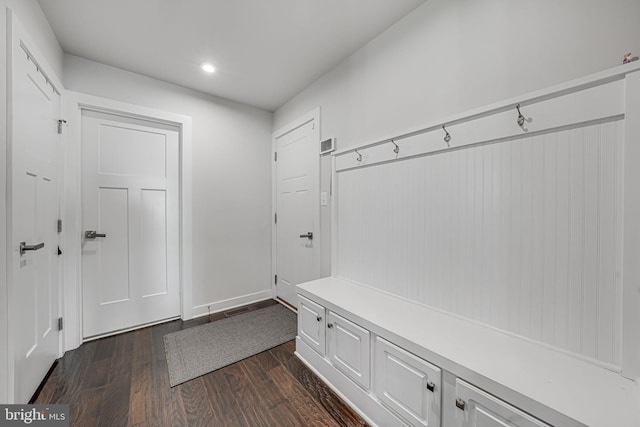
column 216, row 306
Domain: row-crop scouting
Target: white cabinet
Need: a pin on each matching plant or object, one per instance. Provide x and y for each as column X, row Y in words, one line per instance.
column 384, row 355
column 408, row 385
column 349, row 349
column 476, row 408
column 311, row 324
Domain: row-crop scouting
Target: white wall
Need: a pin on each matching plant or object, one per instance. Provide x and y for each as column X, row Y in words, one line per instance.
column 449, row 56
column 231, row 179
column 32, row 18
column 3, row 209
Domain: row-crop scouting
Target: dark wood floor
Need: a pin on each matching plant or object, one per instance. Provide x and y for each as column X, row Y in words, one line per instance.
column 123, row 381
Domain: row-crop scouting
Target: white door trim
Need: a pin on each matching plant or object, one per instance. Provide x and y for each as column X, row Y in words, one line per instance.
column 313, row 115
column 15, row 29
column 72, row 231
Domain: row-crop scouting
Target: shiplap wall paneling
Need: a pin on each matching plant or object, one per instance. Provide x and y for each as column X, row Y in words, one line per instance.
column 523, row 234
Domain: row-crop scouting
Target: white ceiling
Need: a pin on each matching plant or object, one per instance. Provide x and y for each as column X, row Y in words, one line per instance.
column 265, row 51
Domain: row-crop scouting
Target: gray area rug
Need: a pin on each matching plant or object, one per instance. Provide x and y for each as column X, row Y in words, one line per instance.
column 199, row 350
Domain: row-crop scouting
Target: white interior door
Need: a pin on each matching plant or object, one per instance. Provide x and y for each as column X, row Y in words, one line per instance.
column 34, row 188
column 130, row 217
column 297, row 208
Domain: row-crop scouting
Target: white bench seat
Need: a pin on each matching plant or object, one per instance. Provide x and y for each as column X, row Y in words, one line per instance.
column 558, row 387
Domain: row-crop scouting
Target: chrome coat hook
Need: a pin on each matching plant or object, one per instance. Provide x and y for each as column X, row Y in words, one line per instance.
column 520, row 116
column 397, row 149
column 447, row 136
column 359, row 158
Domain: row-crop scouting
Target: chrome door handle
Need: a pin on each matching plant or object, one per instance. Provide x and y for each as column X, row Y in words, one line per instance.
column 309, row 236
column 24, row 247
column 92, row 234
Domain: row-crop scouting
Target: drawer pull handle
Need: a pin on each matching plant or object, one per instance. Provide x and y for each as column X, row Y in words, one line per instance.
column 329, row 325
column 319, row 318
column 431, row 386
column 460, row 404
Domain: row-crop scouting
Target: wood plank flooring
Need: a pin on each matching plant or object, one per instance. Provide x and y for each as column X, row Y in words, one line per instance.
column 123, row 381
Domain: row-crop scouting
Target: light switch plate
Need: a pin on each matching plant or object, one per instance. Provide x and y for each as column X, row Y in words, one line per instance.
column 324, row 200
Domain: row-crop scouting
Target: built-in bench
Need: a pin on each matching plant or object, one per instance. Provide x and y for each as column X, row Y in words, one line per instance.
column 402, row 363
column 499, row 255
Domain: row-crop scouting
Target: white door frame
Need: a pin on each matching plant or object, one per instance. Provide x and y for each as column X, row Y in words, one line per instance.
column 72, row 223
column 313, row 115
column 16, row 29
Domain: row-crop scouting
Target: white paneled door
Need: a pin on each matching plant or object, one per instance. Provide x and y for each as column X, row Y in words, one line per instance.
column 297, row 208
column 130, row 247
column 34, row 188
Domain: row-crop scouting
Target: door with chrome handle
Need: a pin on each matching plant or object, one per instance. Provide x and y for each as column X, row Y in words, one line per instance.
column 92, row 234
column 24, row 247
column 309, row 236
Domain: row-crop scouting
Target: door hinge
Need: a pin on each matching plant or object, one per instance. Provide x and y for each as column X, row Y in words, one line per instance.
column 275, row 218
column 275, row 156
column 60, row 122
column 59, row 225
column 275, row 279
column 60, row 324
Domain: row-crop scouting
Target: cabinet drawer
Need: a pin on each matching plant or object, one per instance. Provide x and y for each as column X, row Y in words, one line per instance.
column 311, row 324
column 349, row 349
column 476, row 408
column 407, row 384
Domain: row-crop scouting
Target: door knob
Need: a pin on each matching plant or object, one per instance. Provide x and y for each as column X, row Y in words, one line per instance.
column 24, row 247
column 92, row 234
column 309, row 236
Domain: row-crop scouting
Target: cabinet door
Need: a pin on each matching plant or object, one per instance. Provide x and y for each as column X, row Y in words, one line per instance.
column 475, row 408
column 311, row 324
column 349, row 349
column 407, row 384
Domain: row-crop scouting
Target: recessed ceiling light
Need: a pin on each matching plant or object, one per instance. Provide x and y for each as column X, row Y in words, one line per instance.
column 207, row 67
